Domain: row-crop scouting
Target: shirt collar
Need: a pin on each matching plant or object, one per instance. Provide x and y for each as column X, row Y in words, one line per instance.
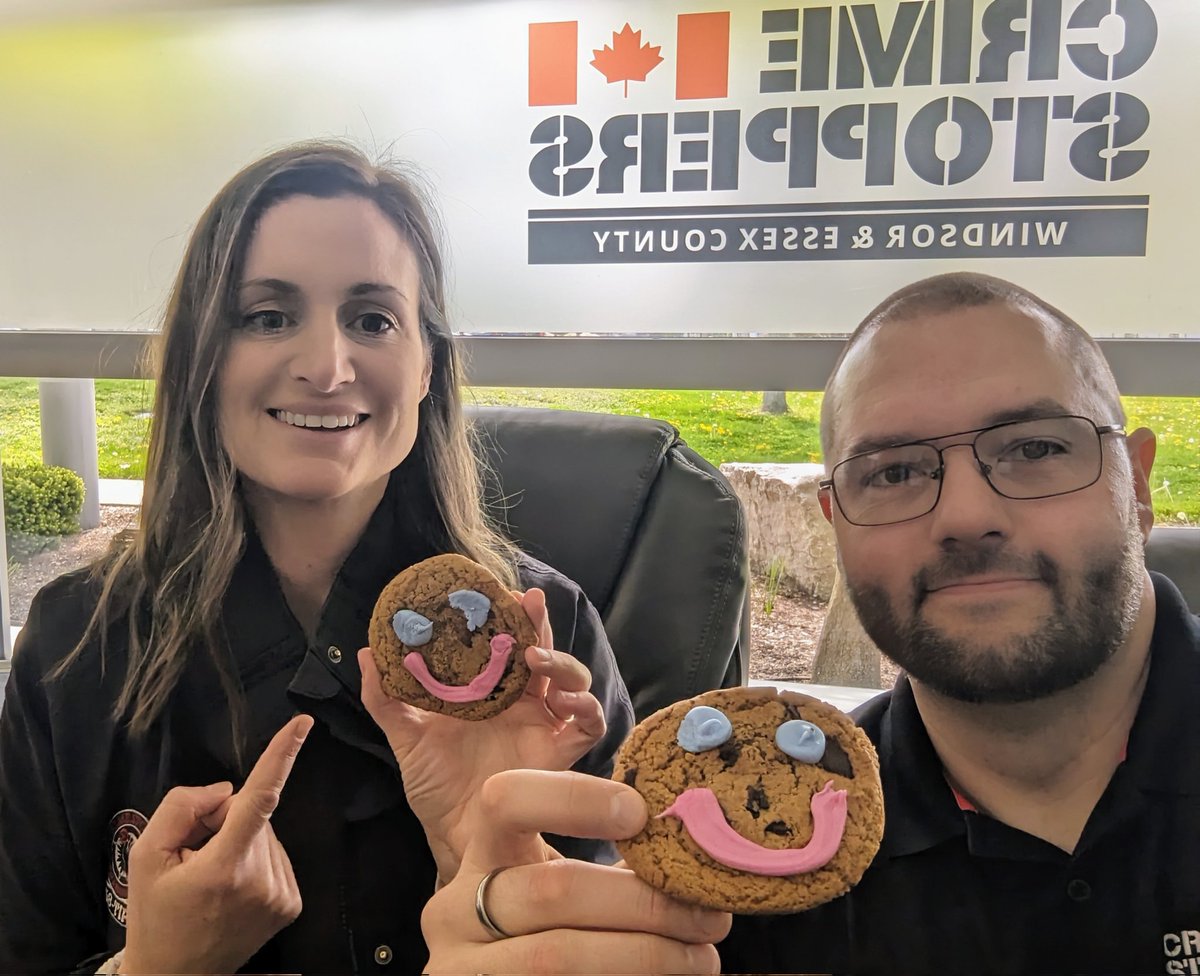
column 1163, row 753
column 920, row 806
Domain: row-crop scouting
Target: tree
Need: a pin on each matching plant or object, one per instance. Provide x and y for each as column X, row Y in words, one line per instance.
column 774, row 402
column 845, row 654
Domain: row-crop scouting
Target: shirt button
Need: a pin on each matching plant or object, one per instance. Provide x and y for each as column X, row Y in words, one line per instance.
column 1078, row 890
column 383, row 954
column 335, row 655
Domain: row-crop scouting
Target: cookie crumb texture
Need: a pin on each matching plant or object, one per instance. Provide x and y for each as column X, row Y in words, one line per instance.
column 454, row 654
column 764, row 794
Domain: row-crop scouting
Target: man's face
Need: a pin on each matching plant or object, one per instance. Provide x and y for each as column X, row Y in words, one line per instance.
column 986, row 598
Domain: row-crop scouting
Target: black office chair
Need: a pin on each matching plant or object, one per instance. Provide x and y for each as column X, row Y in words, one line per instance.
column 650, row 530
column 1174, row 551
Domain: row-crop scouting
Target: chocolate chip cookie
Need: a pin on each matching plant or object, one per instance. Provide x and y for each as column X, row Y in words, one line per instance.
column 760, row 802
column 447, row 636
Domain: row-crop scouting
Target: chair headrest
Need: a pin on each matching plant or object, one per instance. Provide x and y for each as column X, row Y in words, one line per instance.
column 1174, row 551
column 605, row 465
column 651, row 531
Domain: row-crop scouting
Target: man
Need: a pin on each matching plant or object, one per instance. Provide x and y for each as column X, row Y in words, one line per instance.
column 1040, row 761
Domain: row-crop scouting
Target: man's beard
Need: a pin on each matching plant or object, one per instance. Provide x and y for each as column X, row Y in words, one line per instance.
column 1070, row 645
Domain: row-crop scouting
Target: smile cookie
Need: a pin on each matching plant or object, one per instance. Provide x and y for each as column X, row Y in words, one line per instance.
column 760, row 802
column 447, row 636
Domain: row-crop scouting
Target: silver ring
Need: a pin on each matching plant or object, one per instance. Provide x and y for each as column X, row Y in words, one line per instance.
column 481, row 911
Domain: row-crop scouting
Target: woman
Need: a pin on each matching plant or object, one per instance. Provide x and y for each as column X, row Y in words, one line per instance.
column 307, row 445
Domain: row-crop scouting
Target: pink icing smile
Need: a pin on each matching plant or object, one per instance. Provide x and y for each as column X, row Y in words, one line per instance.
column 479, row 687
column 701, row 814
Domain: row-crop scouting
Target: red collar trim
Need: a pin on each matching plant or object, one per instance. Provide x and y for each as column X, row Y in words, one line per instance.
column 962, row 801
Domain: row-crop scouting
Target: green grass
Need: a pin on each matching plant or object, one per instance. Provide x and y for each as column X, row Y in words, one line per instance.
column 722, row 426
column 1175, row 480
column 122, row 424
column 726, row 426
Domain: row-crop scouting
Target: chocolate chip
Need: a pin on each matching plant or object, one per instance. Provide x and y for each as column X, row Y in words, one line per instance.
column 729, row 752
column 630, row 775
column 756, row 800
column 835, row 759
column 778, row 827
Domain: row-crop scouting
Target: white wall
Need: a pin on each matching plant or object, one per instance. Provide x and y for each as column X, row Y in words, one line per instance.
column 119, row 127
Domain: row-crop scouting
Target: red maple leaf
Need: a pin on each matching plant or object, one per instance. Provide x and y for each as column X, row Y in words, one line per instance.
column 628, row 59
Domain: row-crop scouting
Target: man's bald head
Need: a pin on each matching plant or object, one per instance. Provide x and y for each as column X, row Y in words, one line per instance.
column 944, row 294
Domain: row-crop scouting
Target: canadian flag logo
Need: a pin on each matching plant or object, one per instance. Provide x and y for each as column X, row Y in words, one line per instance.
column 627, row 59
column 701, row 58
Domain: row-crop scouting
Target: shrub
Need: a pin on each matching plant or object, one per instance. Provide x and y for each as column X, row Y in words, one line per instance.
column 41, row 499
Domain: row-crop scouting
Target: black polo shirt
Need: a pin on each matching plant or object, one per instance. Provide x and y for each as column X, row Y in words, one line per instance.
column 954, row 891
column 75, row 788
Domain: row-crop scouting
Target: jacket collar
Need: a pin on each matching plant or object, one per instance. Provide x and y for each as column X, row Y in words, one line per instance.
column 261, row 627
column 270, row 652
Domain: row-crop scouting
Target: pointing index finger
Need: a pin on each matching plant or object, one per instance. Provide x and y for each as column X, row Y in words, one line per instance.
column 253, row 804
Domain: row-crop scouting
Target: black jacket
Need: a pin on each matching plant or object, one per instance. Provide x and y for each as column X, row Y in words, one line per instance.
column 75, row 789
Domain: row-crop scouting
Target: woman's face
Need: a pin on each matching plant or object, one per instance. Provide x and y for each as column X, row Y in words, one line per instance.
column 325, row 369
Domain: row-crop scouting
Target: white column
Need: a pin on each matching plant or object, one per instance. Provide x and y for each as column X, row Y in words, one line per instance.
column 69, row 437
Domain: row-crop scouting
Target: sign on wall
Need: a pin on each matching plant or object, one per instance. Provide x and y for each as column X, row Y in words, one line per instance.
column 834, row 100
column 604, row 165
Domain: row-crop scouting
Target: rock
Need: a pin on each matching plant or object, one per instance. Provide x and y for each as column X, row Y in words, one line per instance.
column 786, row 523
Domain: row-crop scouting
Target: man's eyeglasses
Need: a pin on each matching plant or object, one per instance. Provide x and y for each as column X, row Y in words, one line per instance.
column 1020, row 459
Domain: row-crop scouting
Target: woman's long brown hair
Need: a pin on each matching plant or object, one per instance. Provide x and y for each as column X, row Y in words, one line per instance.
column 166, row 585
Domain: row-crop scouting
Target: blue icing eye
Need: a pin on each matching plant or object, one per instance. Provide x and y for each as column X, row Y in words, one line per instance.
column 801, row 740
column 474, row 605
column 704, row 727
column 412, row 629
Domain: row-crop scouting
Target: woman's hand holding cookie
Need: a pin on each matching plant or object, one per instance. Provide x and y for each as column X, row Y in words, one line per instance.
column 560, row 915
column 445, row 761
column 557, row 697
